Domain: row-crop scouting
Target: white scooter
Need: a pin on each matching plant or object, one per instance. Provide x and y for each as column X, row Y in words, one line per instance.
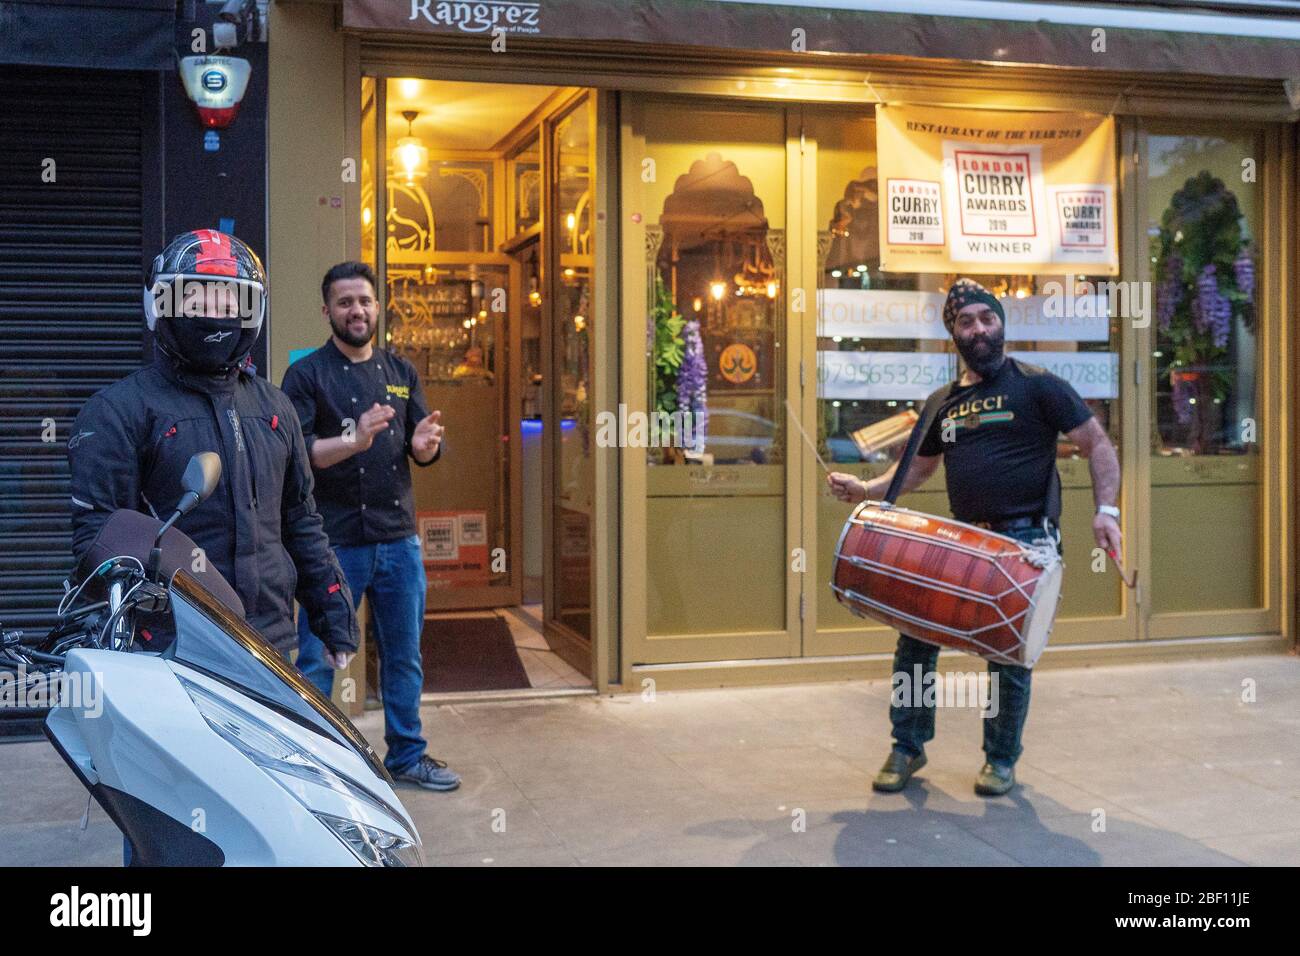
column 214, row 751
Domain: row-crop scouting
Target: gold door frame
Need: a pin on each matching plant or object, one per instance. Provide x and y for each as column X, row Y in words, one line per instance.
column 603, row 662
column 642, row 653
column 1276, row 172
column 563, row 640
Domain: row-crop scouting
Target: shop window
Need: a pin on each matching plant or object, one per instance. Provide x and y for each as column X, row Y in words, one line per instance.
column 715, row 314
column 713, row 186
column 872, row 382
column 525, row 179
column 573, row 197
column 449, row 209
column 1203, row 267
column 1202, row 219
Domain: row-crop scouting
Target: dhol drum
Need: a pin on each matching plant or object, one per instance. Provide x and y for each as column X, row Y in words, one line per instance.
column 949, row 583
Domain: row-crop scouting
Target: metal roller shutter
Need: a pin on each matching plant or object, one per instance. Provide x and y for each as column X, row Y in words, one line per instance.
column 70, row 315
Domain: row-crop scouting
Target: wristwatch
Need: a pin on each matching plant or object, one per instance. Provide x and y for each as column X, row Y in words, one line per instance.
column 1110, row 510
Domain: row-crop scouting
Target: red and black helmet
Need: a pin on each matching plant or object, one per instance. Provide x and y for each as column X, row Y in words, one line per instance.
column 206, row 300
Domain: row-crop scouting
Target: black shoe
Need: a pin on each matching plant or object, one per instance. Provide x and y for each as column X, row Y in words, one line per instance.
column 994, row 780
column 430, row 774
column 897, row 770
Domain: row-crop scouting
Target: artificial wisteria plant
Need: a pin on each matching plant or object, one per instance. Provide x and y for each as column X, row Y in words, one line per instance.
column 664, row 331
column 692, row 385
column 1205, row 279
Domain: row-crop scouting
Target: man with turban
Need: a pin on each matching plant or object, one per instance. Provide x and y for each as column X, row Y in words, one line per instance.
column 996, row 430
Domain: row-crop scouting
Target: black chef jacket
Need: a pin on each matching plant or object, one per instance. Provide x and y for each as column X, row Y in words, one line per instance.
column 367, row 498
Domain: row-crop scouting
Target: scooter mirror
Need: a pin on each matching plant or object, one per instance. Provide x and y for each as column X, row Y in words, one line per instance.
column 201, row 476
column 199, row 480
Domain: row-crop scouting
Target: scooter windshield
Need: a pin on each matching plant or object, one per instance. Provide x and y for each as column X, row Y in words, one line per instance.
column 213, row 640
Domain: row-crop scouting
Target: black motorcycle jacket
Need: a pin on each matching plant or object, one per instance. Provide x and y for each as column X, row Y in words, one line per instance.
column 260, row 529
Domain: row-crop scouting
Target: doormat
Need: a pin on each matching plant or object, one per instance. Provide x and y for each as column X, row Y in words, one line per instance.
column 470, row 653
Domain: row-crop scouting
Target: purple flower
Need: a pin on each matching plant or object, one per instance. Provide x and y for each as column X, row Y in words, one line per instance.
column 692, row 384
column 1211, row 310
column 1243, row 268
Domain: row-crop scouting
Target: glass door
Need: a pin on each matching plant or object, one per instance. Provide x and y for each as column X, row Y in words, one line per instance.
column 710, row 487
column 567, row 326
column 1209, row 444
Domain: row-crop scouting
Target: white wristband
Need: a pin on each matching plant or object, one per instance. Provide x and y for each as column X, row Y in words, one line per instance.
column 1110, row 510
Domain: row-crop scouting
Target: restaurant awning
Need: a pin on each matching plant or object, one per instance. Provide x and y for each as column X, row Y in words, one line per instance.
column 104, row 34
column 1244, row 39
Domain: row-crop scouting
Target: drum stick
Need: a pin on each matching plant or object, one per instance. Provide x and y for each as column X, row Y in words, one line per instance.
column 795, row 418
column 1130, row 584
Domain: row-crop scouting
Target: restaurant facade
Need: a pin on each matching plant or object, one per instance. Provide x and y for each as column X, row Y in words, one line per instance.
column 586, row 216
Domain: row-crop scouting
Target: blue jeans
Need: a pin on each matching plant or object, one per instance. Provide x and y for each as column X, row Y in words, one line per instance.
column 392, row 574
column 914, row 723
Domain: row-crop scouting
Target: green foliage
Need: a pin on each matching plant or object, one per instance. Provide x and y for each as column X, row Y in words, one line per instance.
column 668, row 347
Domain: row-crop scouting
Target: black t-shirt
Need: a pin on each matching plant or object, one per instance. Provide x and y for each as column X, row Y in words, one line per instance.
column 367, row 498
column 1001, row 454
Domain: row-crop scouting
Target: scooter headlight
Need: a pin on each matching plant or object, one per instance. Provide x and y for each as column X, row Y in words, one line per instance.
column 272, row 751
column 370, row 845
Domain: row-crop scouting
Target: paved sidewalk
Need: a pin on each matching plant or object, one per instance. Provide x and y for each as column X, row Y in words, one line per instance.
column 1167, row 757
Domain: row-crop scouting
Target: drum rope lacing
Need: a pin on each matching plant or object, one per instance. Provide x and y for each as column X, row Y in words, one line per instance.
column 968, row 636
column 1020, row 550
column 1041, row 556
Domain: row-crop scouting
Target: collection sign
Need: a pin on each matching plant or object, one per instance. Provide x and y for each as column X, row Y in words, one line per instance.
column 902, row 314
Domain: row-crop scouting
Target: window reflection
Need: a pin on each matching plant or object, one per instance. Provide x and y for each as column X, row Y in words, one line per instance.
column 1203, row 268
column 882, row 349
column 571, row 341
column 526, row 186
column 715, row 316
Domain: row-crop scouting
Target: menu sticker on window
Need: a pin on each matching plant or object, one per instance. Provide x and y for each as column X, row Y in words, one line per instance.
column 455, row 548
column 915, row 212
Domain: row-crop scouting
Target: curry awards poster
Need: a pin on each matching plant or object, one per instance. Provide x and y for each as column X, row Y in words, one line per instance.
column 986, row 191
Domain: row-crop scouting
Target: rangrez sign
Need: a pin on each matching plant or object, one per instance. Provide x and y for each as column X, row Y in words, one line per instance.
column 481, row 17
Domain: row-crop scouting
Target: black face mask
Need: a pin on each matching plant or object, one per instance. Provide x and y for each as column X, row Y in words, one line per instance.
column 204, row 344
column 982, row 353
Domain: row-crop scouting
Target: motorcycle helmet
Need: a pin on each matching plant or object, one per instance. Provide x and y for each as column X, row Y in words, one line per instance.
column 206, row 300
